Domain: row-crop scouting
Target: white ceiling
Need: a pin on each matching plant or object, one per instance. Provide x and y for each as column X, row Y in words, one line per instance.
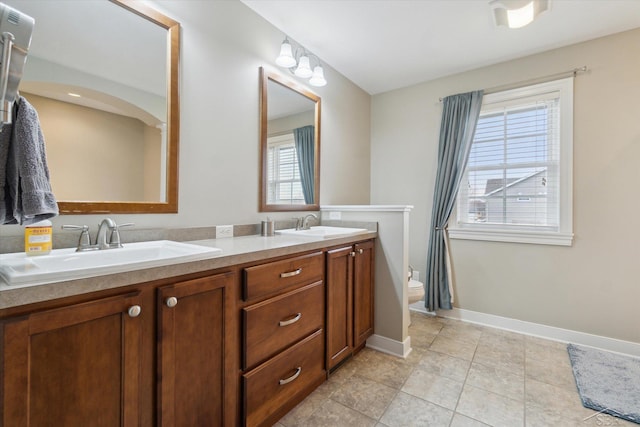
column 383, row 45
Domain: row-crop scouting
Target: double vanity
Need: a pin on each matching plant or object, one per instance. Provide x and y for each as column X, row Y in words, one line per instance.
column 229, row 332
column 218, row 332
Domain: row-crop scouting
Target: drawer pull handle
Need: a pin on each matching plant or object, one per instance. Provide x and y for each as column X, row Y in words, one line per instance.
column 291, row 273
column 292, row 320
column 292, row 377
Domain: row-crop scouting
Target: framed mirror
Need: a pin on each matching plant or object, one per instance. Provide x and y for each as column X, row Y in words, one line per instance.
column 103, row 76
column 289, row 145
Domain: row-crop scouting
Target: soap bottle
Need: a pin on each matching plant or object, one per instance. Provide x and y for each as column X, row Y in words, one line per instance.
column 37, row 238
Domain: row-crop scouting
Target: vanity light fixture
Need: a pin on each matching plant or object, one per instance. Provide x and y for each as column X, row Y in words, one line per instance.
column 298, row 62
column 517, row 13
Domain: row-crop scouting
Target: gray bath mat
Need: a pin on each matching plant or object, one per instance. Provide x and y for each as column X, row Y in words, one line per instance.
column 607, row 382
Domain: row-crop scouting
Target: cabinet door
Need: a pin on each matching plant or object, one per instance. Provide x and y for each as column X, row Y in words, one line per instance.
column 339, row 305
column 363, row 293
column 191, row 351
column 74, row 366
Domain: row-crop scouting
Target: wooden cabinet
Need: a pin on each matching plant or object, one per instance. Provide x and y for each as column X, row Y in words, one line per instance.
column 191, row 357
column 276, row 386
column 239, row 345
column 74, row 366
column 283, row 336
column 92, row 363
column 273, row 325
column 273, row 278
column 349, row 282
column 339, row 305
column 363, row 292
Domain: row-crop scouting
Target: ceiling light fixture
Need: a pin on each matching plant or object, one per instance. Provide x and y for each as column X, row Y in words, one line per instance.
column 298, row 62
column 517, row 13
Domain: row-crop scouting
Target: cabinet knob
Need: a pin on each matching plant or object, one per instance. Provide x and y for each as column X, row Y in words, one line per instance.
column 352, row 254
column 360, row 251
column 292, row 377
column 134, row 311
column 171, row 302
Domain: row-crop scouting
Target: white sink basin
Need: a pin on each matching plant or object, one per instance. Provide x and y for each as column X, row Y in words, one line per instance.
column 324, row 231
column 67, row 264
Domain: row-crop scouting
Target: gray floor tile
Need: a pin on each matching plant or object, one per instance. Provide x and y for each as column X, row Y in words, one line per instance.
column 444, row 365
column 365, row 396
column 490, row 408
column 410, row 411
column 434, row 388
column 496, row 380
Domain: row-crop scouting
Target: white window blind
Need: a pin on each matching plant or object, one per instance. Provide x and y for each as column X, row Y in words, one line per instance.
column 517, row 179
column 283, row 174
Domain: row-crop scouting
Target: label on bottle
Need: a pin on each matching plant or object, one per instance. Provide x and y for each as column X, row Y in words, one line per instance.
column 37, row 240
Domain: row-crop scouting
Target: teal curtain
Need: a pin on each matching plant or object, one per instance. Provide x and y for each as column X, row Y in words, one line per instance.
column 459, row 118
column 305, row 149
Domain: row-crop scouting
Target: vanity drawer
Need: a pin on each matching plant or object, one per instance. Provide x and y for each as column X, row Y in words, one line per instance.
column 274, row 384
column 274, row 277
column 272, row 325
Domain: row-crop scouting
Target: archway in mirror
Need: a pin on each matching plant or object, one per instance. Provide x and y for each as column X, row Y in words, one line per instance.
column 100, row 147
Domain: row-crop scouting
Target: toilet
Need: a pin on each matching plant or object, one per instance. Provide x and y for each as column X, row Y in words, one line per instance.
column 415, row 288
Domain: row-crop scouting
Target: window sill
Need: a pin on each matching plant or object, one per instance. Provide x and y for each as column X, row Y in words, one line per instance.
column 513, row 236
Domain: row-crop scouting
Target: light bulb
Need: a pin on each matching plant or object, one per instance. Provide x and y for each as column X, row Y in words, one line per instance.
column 518, row 18
column 304, row 68
column 318, row 79
column 286, row 59
column 517, row 13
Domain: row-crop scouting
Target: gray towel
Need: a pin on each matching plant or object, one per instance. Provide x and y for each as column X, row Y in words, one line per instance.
column 25, row 190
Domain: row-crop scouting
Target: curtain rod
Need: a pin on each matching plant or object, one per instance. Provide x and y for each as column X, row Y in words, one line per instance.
column 537, row 80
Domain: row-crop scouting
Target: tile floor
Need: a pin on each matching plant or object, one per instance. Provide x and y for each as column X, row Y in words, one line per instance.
column 457, row 375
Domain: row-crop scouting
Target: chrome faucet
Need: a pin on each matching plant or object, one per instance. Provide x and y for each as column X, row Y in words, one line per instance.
column 108, row 236
column 101, row 237
column 304, row 223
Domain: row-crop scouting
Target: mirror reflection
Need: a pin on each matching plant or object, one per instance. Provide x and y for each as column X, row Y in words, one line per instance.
column 290, row 141
column 97, row 75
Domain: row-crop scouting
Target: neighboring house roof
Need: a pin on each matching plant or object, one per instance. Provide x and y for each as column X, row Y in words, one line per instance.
column 494, row 186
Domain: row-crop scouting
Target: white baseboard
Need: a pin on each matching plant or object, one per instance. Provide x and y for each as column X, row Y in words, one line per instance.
column 389, row 346
column 542, row 331
column 419, row 307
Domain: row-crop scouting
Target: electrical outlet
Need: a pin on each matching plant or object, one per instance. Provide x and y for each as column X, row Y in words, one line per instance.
column 224, row 231
column 335, row 215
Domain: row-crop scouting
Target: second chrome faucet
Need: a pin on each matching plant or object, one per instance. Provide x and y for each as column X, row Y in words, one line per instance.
column 302, row 223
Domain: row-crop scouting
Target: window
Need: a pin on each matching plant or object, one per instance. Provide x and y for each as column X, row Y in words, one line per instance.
column 283, row 172
column 517, row 183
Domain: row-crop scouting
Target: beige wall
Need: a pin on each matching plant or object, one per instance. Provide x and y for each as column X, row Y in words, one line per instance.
column 223, row 45
column 153, row 160
column 93, row 154
column 288, row 123
column 594, row 285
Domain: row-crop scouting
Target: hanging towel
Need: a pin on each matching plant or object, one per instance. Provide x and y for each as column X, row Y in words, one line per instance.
column 25, row 194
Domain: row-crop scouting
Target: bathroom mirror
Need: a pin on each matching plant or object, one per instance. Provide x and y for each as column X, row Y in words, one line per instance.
column 289, row 145
column 103, row 76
